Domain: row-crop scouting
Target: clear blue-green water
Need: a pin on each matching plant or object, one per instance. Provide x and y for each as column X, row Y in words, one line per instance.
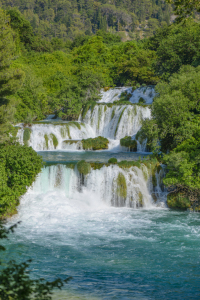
column 111, row 253
column 116, row 253
column 92, row 156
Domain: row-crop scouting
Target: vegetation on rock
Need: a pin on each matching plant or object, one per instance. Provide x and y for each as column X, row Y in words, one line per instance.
column 98, row 143
column 128, row 142
column 83, row 167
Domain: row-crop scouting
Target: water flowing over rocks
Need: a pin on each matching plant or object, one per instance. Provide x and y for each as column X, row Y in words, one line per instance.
column 113, row 122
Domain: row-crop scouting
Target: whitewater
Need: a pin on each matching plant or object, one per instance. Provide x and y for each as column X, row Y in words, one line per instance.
column 111, row 229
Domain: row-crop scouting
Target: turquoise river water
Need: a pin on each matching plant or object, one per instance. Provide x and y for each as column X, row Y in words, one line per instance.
column 111, row 252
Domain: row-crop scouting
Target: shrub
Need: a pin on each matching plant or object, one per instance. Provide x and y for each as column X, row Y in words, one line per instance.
column 178, row 200
column 112, row 160
column 128, row 142
column 19, row 166
column 83, row 167
column 141, row 100
column 98, row 143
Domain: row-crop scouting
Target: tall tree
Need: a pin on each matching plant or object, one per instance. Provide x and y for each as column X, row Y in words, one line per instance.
column 10, row 79
column 185, row 8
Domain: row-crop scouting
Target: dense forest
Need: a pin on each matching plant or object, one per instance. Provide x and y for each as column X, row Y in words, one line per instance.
column 67, row 19
column 55, row 56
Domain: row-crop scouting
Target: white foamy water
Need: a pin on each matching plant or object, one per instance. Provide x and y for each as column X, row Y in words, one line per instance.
column 147, row 93
column 113, row 123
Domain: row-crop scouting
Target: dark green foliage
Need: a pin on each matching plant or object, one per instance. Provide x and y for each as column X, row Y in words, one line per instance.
column 176, row 45
column 83, row 167
column 77, row 20
column 178, row 200
column 26, row 136
column 98, row 143
column 141, row 100
column 128, row 142
column 112, row 160
column 19, row 166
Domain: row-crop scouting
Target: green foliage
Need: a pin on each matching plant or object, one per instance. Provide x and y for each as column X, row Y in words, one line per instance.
column 77, row 20
column 10, row 79
column 149, row 133
column 175, row 46
column 19, row 166
column 141, row 100
column 121, row 186
column 184, row 8
column 112, row 160
column 128, row 142
column 83, row 167
column 26, row 136
column 98, row 143
column 178, row 200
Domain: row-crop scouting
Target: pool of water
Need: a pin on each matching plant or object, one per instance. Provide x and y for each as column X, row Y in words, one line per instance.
column 111, row 253
column 101, row 156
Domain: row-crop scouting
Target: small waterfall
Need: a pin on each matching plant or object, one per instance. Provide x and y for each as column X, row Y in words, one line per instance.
column 147, row 93
column 115, row 186
column 117, row 121
column 51, row 137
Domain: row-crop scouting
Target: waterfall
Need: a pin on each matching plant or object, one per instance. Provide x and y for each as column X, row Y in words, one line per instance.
column 132, row 187
column 147, row 93
column 109, row 120
column 117, row 121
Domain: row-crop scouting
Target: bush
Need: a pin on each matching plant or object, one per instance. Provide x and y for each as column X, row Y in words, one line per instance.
column 178, row 200
column 19, row 166
column 83, row 167
column 112, row 160
column 141, row 100
column 128, row 142
column 98, row 143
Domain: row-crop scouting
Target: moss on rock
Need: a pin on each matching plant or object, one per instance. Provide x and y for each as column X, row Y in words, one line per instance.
column 121, row 186
column 54, row 139
column 46, row 140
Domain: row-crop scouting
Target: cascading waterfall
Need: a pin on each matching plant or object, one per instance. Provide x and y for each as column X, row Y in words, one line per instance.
column 116, row 122
column 111, row 121
column 147, row 93
column 113, row 185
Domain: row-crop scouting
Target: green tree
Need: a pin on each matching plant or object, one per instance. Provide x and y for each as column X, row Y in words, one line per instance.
column 185, row 8
column 10, row 79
